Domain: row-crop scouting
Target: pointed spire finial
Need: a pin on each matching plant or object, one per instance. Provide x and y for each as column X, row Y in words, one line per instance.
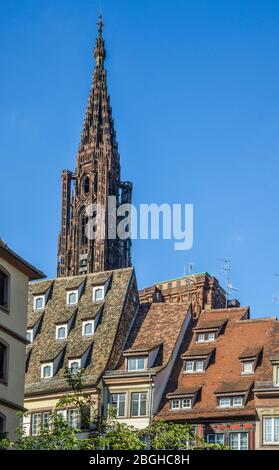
column 100, row 25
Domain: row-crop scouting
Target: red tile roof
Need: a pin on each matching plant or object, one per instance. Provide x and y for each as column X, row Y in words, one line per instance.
column 224, row 368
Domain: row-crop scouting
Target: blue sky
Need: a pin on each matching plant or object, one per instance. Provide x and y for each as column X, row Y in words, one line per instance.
column 195, row 96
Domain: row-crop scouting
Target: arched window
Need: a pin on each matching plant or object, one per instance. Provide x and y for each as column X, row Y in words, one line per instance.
column 86, row 185
column 4, row 285
column 83, row 224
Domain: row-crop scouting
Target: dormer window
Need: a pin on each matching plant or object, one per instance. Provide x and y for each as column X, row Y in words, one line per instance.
column 136, row 363
column 29, row 335
column 98, row 293
column 181, row 404
column 88, row 328
column 39, row 302
column 206, row 337
column 47, row 370
column 74, row 365
column 72, row 297
column 248, row 367
column 62, row 331
column 201, row 338
column 191, row 367
column 229, row 402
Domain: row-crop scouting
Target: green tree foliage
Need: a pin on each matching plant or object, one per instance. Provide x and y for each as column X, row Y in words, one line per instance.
column 104, row 432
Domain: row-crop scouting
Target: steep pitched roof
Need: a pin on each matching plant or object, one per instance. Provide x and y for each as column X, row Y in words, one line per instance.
column 156, row 325
column 118, row 311
column 224, row 373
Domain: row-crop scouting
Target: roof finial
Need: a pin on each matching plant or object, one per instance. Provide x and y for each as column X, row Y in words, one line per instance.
column 100, row 25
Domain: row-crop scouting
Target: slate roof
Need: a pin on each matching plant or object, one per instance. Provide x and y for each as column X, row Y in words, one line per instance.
column 118, row 310
column 224, row 372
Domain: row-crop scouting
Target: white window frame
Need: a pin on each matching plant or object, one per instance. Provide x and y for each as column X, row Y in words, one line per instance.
column 37, row 297
column 136, row 358
column 199, row 336
column 272, row 442
column 117, row 403
column 86, row 322
column 252, row 363
column 188, row 406
column 173, row 402
column 189, row 371
column 95, row 289
column 57, row 328
column 213, row 338
column 199, row 361
column 215, row 434
column 71, row 361
column 234, row 401
column 139, row 415
column 38, row 424
column 239, row 439
column 47, row 364
column 70, row 292
column 31, row 331
column 224, row 406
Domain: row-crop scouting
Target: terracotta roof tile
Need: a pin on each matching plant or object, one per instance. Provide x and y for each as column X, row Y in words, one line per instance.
column 225, row 370
column 200, row 350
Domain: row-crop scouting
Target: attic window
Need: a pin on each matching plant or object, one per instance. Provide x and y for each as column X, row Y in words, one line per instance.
column 136, row 363
column 29, row 335
column 88, row 328
column 206, row 337
column 98, row 293
column 74, row 365
column 191, row 367
column 184, row 404
column 72, row 297
column 229, row 402
column 61, row 331
column 248, row 367
column 39, row 302
column 47, row 370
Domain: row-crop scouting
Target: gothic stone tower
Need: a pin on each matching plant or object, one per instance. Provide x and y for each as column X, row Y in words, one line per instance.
column 97, row 176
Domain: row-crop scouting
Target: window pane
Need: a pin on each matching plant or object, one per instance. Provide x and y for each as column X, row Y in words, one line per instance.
column 268, row 430
column 211, row 438
column 36, row 423
column 88, row 329
column 175, row 404
column 99, row 294
column 199, row 366
column 276, row 429
column 46, row 420
column 73, row 418
column 189, row 366
column 135, row 404
column 234, row 441
column 220, row 438
column 47, row 371
column 74, row 367
column 72, row 298
column 141, row 363
column 244, row 441
column 248, row 367
column 143, row 398
column 132, row 364
column 224, row 402
column 186, row 403
column 39, row 303
column 61, row 332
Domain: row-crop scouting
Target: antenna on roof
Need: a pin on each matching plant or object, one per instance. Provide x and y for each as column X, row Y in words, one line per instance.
column 189, row 278
column 227, row 274
column 275, row 298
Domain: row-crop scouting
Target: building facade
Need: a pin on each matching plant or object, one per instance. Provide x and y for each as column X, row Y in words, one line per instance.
column 14, row 276
column 94, row 190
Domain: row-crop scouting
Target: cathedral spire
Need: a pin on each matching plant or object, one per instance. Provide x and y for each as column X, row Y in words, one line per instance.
column 96, row 178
